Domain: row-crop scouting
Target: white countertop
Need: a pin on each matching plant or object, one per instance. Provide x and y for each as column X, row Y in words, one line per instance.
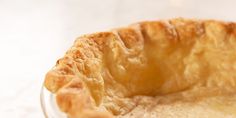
column 34, row 34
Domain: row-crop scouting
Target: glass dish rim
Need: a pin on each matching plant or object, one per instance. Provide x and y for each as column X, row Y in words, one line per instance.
column 48, row 104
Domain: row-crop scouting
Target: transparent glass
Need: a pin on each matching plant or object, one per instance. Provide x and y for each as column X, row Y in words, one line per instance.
column 49, row 106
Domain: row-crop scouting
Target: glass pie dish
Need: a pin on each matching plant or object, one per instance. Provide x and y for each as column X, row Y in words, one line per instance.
column 170, row 8
column 165, row 87
column 49, row 106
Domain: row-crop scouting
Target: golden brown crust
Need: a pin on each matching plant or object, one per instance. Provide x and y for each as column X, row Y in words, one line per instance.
column 94, row 72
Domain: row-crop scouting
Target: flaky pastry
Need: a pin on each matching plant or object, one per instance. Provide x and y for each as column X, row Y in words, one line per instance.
column 172, row 68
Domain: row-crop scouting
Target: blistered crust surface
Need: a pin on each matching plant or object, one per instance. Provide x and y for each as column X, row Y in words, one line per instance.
column 111, row 73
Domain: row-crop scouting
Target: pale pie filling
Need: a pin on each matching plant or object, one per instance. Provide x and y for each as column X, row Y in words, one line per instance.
column 171, row 79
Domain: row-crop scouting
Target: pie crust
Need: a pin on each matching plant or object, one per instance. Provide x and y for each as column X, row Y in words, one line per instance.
column 170, row 68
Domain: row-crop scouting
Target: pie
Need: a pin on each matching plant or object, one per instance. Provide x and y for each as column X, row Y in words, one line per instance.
column 177, row 68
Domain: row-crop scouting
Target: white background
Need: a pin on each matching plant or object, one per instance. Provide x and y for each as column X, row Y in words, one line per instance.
column 35, row 33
